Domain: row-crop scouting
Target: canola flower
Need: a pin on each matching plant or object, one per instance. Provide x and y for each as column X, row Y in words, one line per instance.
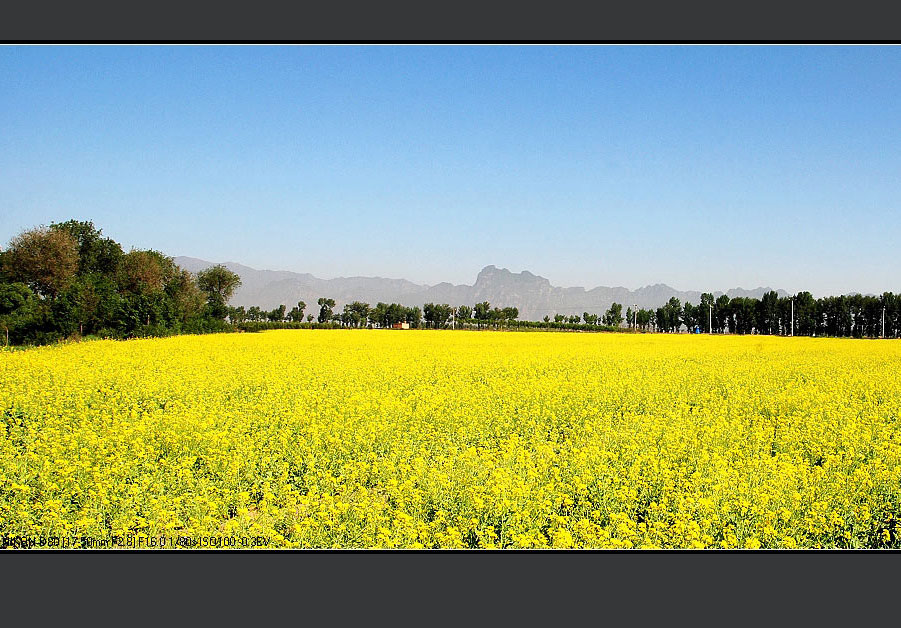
column 438, row 439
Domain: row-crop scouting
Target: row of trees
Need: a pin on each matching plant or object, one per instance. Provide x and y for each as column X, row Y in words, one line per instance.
column 852, row 315
column 359, row 314
column 858, row 316
column 69, row 280
column 613, row 317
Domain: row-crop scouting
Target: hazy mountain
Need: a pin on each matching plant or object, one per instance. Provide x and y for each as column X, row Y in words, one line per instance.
column 533, row 295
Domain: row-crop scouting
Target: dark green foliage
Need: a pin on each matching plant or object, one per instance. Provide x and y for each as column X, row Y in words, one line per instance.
column 383, row 315
column 17, row 310
column 644, row 319
column 46, row 260
column 481, row 312
column 237, row 314
column 325, row 309
column 277, row 315
column 255, row 314
column 438, row 316
column 85, row 285
column 96, row 254
column 218, row 284
column 613, row 317
column 296, row 313
column 253, row 327
column 414, row 317
column 690, row 317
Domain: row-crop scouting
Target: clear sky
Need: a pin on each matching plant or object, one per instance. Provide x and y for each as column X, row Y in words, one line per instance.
column 704, row 167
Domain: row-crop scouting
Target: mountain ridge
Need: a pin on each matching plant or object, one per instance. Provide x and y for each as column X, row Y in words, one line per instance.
column 532, row 294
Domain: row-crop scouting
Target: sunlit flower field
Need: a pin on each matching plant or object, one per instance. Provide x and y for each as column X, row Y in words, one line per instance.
column 443, row 439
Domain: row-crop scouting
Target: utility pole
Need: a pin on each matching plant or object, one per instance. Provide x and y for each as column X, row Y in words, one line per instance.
column 883, row 321
column 635, row 316
column 709, row 318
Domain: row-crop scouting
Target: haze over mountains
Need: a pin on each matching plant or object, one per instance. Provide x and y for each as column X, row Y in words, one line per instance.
column 532, row 294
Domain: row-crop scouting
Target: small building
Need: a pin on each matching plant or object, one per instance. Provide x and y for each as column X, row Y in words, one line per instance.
column 400, row 326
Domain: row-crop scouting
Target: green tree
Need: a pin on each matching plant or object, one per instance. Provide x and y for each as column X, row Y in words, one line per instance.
column 673, row 314
column 613, row 317
column 689, row 317
column 296, row 313
column 805, row 314
column 325, row 309
column 510, row 314
column 142, row 277
column 396, row 314
column 767, row 313
column 705, row 313
column 219, row 281
column 661, row 320
column 85, row 302
column 414, row 316
column 891, row 304
column 145, row 272
column 430, row 315
column 46, row 260
column 278, row 314
column 378, row 315
column 355, row 314
column 219, row 284
column 437, row 315
column 482, row 312
column 721, row 313
column 185, row 299
column 744, row 311
column 16, row 307
column 237, row 314
column 643, row 318
column 96, row 254
column 359, row 313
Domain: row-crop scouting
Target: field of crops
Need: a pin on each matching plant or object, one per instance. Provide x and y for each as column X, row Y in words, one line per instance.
column 410, row 439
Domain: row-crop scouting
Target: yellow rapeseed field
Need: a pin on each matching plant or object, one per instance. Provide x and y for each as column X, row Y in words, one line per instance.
column 442, row 439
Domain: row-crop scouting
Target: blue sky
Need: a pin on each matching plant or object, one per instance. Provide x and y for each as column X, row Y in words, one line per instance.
column 704, row 167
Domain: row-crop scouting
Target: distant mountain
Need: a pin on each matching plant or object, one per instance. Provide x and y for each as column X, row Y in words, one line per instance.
column 533, row 295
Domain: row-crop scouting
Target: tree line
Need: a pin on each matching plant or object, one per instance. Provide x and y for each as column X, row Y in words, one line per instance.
column 855, row 315
column 358, row 314
column 68, row 280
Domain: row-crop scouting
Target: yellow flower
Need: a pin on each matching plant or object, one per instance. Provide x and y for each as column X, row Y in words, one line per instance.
column 372, row 438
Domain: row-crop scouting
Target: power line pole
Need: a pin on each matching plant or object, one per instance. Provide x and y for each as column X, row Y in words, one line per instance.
column 883, row 321
column 709, row 318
